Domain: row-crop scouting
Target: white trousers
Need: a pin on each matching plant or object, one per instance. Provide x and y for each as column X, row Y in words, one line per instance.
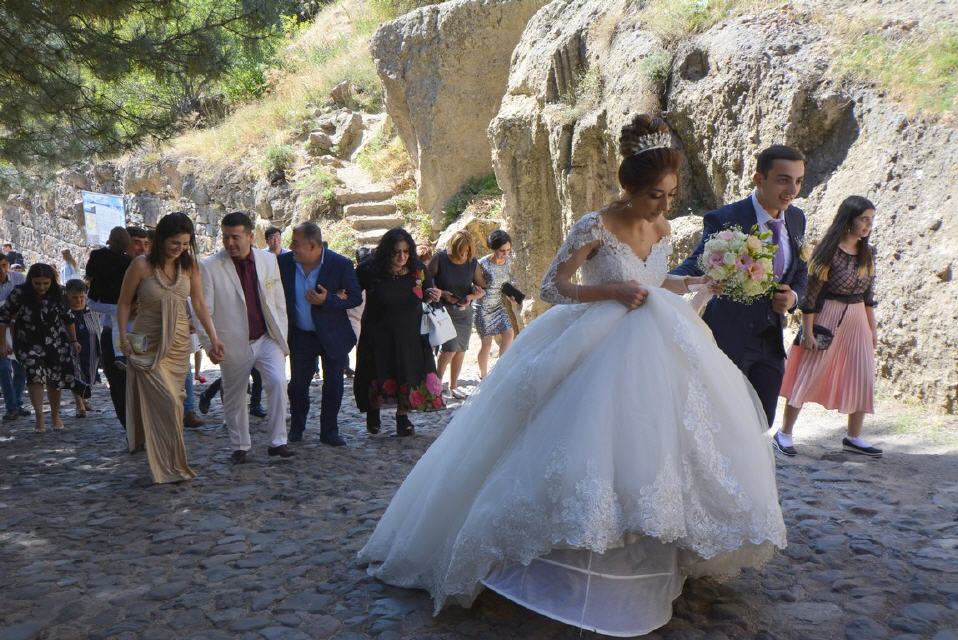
column 270, row 361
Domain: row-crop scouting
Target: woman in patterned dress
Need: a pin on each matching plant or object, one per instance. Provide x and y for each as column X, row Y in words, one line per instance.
column 491, row 316
column 44, row 339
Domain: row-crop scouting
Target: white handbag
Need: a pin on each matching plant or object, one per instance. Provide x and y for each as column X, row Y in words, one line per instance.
column 437, row 324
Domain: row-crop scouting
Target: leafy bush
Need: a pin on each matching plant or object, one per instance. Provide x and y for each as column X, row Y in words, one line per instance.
column 475, row 189
column 278, row 156
column 407, row 204
column 317, row 189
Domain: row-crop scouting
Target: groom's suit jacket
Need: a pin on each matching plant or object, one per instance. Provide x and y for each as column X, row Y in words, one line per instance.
column 332, row 326
column 227, row 303
column 734, row 324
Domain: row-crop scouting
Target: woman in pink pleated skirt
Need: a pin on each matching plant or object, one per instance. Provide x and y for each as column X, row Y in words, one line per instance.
column 839, row 298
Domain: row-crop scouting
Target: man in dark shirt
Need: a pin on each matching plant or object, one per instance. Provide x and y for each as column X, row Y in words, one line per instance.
column 14, row 257
column 104, row 271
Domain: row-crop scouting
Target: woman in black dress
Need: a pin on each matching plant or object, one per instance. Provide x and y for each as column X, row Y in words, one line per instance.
column 44, row 338
column 394, row 362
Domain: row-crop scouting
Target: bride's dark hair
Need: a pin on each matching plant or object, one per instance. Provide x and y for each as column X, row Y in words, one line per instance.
column 641, row 170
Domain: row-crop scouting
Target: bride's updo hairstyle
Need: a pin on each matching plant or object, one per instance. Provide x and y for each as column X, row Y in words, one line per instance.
column 647, row 155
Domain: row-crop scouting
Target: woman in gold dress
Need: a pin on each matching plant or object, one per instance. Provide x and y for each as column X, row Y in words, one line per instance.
column 158, row 350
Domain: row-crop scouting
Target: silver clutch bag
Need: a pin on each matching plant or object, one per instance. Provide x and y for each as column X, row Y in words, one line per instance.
column 138, row 342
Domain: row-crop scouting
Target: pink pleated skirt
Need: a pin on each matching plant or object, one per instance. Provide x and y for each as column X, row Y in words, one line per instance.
column 842, row 377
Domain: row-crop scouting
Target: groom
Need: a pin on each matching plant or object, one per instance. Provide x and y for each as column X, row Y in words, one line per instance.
column 320, row 286
column 751, row 334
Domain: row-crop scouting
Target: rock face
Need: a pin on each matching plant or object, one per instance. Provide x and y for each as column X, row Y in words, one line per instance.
column 582, row 67
column 765, row 75
column 444, row 69
column 554, row 141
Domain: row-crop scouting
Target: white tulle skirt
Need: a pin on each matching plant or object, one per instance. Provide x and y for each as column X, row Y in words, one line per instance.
column 607, row 456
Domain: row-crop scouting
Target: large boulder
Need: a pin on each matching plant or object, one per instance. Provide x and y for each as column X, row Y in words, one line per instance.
column 444, row 69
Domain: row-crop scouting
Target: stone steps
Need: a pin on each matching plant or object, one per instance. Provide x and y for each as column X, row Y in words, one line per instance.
column 380, row 208
column 369, row 237
column 364, row 223
column 372, row 194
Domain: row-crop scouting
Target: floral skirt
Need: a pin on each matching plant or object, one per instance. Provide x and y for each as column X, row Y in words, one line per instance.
column 395, row 367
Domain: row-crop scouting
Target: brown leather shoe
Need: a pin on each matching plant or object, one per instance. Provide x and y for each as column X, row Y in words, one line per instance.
column 192, row 420
column 282, row 451
column 238, row 457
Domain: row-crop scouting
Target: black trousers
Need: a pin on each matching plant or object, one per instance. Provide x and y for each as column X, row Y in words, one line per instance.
column 305, row 350
column 764, row 366
column 115, row 377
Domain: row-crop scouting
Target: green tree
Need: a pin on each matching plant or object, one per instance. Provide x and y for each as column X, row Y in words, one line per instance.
column 81, row 77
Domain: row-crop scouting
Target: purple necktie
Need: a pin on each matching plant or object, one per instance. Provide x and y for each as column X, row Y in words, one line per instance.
column 778, row 262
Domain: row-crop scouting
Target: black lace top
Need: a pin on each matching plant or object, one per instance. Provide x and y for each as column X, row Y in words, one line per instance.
column 843, row 284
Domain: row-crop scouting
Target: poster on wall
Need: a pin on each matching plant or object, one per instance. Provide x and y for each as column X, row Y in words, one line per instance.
column 101, row 212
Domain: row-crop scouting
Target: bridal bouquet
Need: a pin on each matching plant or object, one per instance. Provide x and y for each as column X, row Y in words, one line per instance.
column 741, row 262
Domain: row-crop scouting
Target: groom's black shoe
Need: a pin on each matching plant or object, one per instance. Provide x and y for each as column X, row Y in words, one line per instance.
column 282, row 451
column 789, row 451
column 257, row 411
column 238, row 457
column 332, row 439
column 295, row 436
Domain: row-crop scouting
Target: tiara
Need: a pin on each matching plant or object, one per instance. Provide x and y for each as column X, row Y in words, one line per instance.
column 662, row 140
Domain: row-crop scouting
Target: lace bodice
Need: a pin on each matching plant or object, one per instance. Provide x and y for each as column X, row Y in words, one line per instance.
column 613, row 262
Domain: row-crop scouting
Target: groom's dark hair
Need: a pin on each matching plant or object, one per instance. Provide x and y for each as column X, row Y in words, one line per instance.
column 237, row 219
column 776, row 152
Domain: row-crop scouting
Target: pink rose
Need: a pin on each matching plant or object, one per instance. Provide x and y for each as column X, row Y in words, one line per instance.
column 726, row 235
column 433, row 384
column 437, row 403
column 743, row 262
column 416, row 399
column 389, row 386
column 716, row 259
column 756, row 272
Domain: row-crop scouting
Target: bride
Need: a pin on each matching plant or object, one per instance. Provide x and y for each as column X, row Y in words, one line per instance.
column 614, row 450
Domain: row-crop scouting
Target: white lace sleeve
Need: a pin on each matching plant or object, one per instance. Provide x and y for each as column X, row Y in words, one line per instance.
column 583, row 232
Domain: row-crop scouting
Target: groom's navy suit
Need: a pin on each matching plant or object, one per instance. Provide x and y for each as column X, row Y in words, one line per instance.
column 330, row 338
column 751, row 334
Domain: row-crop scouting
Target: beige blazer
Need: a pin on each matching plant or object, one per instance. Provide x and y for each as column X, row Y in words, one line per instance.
column 227, row 302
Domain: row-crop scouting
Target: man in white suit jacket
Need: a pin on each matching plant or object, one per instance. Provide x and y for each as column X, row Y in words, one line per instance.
column 245, row 296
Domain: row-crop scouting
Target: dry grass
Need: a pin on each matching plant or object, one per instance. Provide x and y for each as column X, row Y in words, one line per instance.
column 673, row 20
column 333, row 49
column 385, row 159
column 917, row 67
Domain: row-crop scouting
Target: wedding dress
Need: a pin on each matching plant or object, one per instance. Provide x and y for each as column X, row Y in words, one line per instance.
column 607, row 456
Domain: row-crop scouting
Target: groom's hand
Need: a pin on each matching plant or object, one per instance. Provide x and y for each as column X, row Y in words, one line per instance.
column 784, row 299
column 317, row 296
